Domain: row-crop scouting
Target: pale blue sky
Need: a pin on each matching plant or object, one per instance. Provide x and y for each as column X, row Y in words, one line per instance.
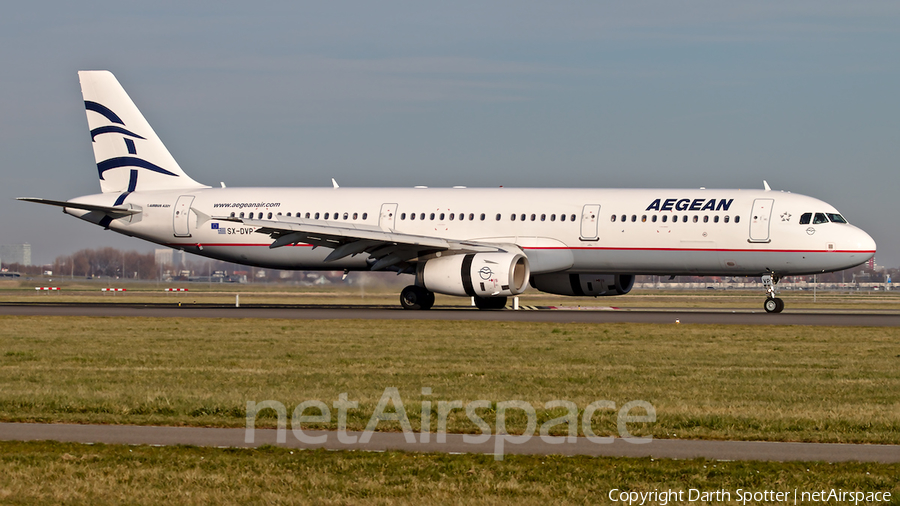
column 581, row 94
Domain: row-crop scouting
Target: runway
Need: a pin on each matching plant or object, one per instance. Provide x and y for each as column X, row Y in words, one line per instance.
column 330, row 312
column 455, row 443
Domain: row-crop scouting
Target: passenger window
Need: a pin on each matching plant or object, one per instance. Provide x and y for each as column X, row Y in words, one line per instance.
column 624, row 218
column 836, row 218
column 726, row 218
column 307, row 215
column 562, row 217
column 269, row 216
column 633, row 218
column 665, row 218
column 543, row 217
column 346, row 216
column 804, row 218
column 451, row 216
column 533, row 217
column 232, row 214
column 644, row 219
column 472, row 217
column 684, row 219
column 695, row 218
column 242, row 215
column 498, row 216
column 674, row 219
column 326, row 216
column 572, row 217
column 706, row 219
column 612, row 218
column 523, row 217
column 552, row 217
column 819, row 219
column 716, row 219
column 431, row 217
column 288, row 215
column 412, row 216
column 279, row 214
column 421, row 216
column 365, row 215
column 442, row 217
column 512, row 217
column 653, row 218
column 737, row 219
column 317, row 216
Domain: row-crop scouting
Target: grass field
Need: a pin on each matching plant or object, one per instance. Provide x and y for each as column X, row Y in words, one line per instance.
column 55, row 473
column 705, row 381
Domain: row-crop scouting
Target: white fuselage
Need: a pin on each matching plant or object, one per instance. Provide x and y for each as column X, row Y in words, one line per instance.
column 655, row 231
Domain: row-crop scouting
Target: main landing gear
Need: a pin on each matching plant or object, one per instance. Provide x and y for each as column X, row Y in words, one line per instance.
column 416, row 297
column 772, row 304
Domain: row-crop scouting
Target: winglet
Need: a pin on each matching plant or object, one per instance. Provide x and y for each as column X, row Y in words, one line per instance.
column 766, row 186
column 334, row 183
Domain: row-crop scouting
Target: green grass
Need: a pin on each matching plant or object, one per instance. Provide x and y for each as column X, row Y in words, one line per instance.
column 832, row 384
column 65, row 473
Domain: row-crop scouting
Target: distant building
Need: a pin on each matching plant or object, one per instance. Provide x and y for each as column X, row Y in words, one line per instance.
column 170, row 257
column 15, row 254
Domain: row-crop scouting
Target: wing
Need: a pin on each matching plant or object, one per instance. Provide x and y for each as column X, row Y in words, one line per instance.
column 387, row 248
column 113, row 212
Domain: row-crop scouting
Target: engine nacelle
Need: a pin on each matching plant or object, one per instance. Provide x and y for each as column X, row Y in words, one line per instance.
column 579, row 285
column 477, row 274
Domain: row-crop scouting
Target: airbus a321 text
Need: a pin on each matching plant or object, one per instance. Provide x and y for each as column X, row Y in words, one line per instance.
column 472, row 242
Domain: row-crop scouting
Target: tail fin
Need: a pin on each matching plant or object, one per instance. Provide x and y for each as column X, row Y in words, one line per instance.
column 128, row 153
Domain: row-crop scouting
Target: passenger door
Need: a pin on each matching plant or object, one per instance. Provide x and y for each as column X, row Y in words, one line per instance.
column 590, row 216
column 181, row 214
column 388, row 217
column 759, row 220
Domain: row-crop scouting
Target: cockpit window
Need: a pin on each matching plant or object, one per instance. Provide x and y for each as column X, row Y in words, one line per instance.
column 804, row 218
column 836, row 218
column 819, row 219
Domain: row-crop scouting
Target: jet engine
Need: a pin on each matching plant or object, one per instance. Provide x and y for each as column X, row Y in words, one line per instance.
column 477, row 274
column 594, row 285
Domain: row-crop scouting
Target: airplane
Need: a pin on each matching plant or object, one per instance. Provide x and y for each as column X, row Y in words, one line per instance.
column 484, row 243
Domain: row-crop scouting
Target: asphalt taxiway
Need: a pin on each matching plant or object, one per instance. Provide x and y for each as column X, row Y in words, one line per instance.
column 331, row 312
column 454, row 443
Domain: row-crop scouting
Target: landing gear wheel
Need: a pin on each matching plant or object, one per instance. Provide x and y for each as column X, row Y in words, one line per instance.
column 416, row 297
column 490, row 302
column 774, row 305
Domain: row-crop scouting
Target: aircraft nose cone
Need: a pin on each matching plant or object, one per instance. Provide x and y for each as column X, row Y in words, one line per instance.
column 866, row 243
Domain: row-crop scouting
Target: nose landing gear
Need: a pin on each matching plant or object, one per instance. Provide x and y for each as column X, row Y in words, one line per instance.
column 772, row 304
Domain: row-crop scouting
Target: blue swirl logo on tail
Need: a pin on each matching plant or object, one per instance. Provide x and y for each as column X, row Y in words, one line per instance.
column 128, row 137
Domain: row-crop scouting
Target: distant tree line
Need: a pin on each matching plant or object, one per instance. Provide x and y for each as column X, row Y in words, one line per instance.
column 106, row 262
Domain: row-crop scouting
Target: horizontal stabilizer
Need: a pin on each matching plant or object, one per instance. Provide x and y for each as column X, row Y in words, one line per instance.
column 112, row 211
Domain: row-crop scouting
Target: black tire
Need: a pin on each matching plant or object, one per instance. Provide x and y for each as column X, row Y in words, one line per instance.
column 771, row 305
column 780, row 305
column 490, row 302
column 416, row 297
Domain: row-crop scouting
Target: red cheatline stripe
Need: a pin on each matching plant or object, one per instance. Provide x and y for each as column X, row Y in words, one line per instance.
column 704, row 249
column 720, row 250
